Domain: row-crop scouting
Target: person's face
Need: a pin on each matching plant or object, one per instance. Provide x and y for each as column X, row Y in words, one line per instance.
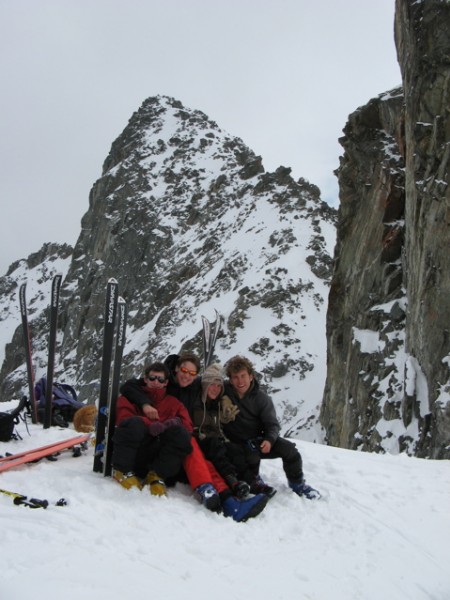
column 214, row 390
column 156, row 380
column 241, row 382
column 185, row 373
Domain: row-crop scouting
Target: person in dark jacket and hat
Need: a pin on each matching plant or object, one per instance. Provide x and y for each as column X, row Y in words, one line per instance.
column 208, row 431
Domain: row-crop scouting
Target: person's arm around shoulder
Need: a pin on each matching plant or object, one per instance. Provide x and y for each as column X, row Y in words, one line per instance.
column 134, row 391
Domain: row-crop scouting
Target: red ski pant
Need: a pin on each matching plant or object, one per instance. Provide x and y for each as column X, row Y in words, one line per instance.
column 199, row 470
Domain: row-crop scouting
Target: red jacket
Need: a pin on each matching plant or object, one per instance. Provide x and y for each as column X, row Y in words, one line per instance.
column 198, row 469
column 167, row 407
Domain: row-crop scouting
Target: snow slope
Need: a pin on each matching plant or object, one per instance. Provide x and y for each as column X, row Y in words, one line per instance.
column 382, row 530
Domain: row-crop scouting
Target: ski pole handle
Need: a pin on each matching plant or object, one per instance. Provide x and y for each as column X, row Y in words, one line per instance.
column 39, row 503
column 20, row 500
column 32, row 502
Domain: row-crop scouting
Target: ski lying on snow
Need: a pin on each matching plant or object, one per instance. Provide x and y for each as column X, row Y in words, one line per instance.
column 9, row 462
column 79, row 439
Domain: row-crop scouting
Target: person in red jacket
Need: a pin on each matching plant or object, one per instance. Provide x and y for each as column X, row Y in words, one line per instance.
column 152, row 441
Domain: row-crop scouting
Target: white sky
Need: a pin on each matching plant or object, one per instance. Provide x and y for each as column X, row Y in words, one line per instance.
column 281, row 74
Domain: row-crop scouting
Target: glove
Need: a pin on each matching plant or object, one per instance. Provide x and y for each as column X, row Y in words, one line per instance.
column 158, row 427
column 228, row 410
column 173, row 422
column 241, row 489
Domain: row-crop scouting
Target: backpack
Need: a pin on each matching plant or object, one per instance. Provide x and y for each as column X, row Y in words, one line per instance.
column 7, row 423
column 64, row 402
column 8, row 420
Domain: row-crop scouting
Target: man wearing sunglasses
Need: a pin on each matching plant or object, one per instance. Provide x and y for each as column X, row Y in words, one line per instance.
column 151, row 439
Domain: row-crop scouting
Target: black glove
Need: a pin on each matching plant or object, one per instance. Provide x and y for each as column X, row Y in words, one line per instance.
column 241, row 489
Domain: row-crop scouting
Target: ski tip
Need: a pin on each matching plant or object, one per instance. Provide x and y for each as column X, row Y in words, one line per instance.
column 112, row 280
column 120, row 300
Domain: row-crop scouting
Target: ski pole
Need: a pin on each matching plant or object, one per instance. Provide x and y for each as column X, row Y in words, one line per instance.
column 19, row 499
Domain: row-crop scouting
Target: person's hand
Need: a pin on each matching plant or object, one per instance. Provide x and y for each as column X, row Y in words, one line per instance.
column 265, row 447
column 150, row 412
column 228, row 410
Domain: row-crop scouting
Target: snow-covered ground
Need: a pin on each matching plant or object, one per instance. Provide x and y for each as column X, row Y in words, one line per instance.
column 381, row 530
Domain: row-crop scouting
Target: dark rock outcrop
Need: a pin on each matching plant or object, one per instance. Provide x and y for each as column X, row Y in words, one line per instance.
column 388, row 379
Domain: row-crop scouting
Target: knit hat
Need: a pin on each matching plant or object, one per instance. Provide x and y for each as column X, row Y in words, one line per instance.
column 212, row 374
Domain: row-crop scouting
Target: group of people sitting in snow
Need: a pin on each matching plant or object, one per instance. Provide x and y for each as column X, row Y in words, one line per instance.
column 210, row 431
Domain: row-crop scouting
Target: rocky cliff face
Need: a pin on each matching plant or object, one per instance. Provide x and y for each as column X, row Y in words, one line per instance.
column 187, row 221
column 388, row 379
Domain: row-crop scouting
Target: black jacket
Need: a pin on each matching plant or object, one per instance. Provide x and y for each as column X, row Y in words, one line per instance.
column 256, row 419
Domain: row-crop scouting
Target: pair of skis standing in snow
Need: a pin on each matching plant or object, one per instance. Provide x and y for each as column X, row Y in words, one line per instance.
column 113, row 346
column 50, row 450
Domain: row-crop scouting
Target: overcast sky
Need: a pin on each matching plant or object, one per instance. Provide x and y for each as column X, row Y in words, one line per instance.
column 283, row 75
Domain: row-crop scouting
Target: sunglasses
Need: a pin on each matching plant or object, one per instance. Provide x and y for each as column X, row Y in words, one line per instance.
column 156, row 378
column 184, row 370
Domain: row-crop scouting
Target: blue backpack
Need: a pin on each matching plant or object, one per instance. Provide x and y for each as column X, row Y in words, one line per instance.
column 64, row 402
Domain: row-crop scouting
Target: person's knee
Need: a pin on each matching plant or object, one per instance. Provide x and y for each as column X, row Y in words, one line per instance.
column 178, row 437
column 131, row 429
column 286, row 449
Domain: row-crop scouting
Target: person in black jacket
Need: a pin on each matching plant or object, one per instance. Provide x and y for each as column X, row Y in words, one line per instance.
column 256, row 427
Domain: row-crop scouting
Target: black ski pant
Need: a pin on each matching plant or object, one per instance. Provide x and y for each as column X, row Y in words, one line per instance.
column 247, row 456
column 136, row 450
column 245, row 460
column 215, row 450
